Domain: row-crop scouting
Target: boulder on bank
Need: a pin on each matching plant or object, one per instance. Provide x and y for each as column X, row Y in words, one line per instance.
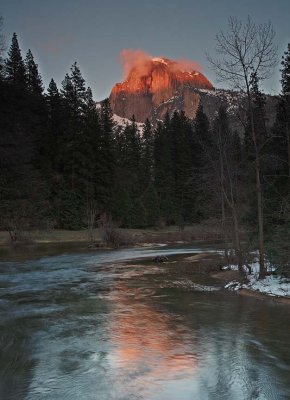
column 160, row 259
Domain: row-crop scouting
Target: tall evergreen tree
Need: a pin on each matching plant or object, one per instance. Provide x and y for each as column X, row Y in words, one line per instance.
column 106, row 157
column 90, row 147
column 282, row 126
column 163, row 174
column 182, row 167
column 33, row 78
column 55, row 120
column 132, row 149
column 278, row 179
column 285, row 81
column 129, row 184
column 14, row 65
column 147, row 152
column 149, row 194
column 2, row 49
column 202, row 143
column 283, row 112
column 259, row 120
column 72, row 146
column 73, row 93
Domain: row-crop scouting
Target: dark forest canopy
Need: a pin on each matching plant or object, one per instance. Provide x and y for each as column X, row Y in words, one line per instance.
column 61, row 158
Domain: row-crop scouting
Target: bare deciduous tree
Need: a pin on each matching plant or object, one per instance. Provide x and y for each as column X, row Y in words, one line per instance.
column 223, row 172
column 247, row 50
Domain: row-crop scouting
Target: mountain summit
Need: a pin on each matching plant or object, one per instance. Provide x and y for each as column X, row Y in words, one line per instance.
column 156, row 85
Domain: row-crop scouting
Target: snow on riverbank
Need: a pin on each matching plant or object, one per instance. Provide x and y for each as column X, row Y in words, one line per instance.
column 272, row 285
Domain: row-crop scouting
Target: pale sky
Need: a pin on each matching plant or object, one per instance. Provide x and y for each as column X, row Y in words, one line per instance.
column 93, row 32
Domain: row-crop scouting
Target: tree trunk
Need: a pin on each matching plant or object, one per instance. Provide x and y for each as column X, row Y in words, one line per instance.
column 237, row 240
column 224, row 231
column 262, row 272
column 288, row 147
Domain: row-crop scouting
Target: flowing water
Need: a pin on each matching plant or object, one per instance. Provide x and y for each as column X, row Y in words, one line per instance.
column 96, row 327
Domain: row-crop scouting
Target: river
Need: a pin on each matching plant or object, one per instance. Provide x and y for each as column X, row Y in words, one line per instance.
column 97, row 326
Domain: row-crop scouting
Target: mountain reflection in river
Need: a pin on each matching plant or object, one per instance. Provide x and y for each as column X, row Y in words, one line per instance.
column 85, row 327
column 144, row 339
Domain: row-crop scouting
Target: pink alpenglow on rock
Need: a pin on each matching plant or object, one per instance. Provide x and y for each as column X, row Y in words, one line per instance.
column 155, row 85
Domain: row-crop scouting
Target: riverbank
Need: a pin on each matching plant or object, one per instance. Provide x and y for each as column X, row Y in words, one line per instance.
column 208, row 268
column 48, row 236
column 36, row 243
column 263, row 297
column 233, row 281
column 96, row 236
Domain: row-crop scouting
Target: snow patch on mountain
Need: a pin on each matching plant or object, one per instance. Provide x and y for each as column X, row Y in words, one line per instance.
column 123, row 122
column 232, row 99
column 160, row 60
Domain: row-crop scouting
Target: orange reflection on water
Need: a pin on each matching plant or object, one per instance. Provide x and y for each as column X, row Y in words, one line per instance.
column 144, row 339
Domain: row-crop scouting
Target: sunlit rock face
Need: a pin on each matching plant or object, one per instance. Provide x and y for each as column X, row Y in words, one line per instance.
column 156, row 85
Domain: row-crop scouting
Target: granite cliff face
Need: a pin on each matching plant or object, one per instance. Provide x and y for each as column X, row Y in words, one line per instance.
column 156, row 86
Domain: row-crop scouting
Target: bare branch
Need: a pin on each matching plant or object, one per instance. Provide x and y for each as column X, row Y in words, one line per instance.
column 244, row 49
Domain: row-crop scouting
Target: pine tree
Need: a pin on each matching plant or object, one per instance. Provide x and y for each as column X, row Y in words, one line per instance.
column 201, row 122
column 149, row 194
column 202, row 144
column 106, row 157
column 132, row 149
column 130, row 174
column 147, row 151
column 163, row 174
column 278, row 183
column 55, row 120
column 182, row 168
column 33, row 78
column 14, row 65
column 202, row 138
column 151, row 204
column 285, row 81
column 79, row 89
column 74, row 91
column 73, row 94
column 91, row 145
column 73, row 140
column 282, row 126
column 23, row 127
column 2, row 49
column 122, row 203
column 259, row 116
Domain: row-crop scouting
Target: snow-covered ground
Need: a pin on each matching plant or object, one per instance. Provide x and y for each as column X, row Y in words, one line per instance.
column 272, row 285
